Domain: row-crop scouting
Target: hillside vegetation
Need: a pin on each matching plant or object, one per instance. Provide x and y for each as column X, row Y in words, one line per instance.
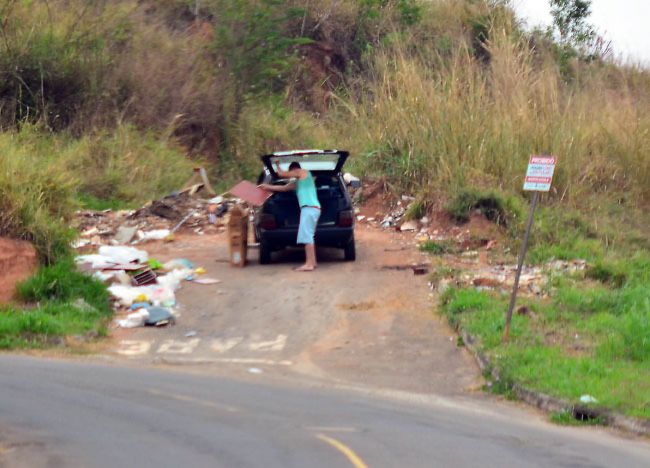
column 431, row 96
column 111, row 103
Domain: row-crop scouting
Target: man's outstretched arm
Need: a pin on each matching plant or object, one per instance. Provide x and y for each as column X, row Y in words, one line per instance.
column 278, row 188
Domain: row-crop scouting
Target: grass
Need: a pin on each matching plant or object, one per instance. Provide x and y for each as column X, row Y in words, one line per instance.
column 567, row 418
column 437, row 248
column 91, row 202
column 415, row 210
column 421, row 129
column 61, row 302
column 588, row 338
column 45, row 177
column 492, row 205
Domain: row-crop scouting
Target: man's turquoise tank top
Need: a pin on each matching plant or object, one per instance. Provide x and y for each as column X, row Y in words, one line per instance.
column 306, row 191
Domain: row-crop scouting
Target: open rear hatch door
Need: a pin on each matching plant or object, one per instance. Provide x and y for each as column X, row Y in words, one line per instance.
column 310, row 160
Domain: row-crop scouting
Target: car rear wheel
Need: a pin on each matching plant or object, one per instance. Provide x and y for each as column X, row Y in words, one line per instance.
column 350, row 251
column 265, row 254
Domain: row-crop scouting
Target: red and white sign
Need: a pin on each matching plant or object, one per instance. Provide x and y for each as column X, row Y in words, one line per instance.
column 540, row 173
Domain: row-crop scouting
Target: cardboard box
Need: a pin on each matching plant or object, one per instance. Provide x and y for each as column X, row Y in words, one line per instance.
column 238, row 236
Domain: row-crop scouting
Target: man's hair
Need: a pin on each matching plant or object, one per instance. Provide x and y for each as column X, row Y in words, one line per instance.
column 294, row 165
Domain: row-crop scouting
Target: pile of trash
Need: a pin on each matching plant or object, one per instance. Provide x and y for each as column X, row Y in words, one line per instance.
column 533, row 280
column 157, row 220
column 140, row 286
column 394, row 217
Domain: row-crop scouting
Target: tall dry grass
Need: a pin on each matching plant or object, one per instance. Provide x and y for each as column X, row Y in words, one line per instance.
column 42, row 177
column 438, row 124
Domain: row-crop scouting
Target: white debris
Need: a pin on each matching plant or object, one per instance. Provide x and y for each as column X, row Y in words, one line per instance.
column 178, row 263
column 95, row 261
column 156, row 234
column 78, row 243
column 349, row 179
column 127, row 295
column 136, row 319
column 172, row 280
column 586, row 399
column 90, row 232
column 409, row 226
column 113, row 276
column 123, row 254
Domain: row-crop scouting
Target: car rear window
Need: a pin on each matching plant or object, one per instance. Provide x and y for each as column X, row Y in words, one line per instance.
column 319, row 162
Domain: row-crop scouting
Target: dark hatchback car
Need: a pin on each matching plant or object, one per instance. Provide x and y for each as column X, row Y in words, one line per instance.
column 276, row 222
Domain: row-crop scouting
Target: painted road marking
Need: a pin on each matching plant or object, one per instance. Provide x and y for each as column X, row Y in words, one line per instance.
column 208, row 360
column 133, row 347
column 217, row 345
column 178, row 347
column 221, row 345
column 356, row 461
column 274, row 345
column 189, row 399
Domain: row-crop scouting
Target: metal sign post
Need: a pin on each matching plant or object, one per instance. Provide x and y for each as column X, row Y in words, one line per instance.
column 538, row 179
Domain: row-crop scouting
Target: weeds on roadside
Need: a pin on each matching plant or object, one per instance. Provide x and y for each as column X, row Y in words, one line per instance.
column 492, row 205
column 584, row 339
column 62, row 283
column 44, row 176
column 567, row 418
column 437, row 248
column 61, row 302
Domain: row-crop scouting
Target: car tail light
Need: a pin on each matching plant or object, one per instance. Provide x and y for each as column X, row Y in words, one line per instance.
column 267, row 221
column 346, row 218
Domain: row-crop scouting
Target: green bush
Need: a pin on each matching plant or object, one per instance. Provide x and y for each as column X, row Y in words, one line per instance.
column 52, row 59
column 416, row 210
column 465, row 300
column 607, row 273
column 492, row 205
column 47, row 324
column 62, row 302
column 629, row 337
column 436, row 248
column 62, row 282
column 43, row 176
column 36, row 194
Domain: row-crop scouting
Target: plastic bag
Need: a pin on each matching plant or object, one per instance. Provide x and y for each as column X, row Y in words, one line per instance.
column 172, row 280
column 178, row 263
column 121, row 254
column 136, row 319
column 157, row 234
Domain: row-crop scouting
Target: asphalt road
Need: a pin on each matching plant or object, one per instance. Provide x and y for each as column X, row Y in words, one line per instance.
column 57, row 413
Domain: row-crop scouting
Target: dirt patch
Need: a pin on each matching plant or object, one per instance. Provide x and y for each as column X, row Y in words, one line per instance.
column 18, row 261
column 359, row 306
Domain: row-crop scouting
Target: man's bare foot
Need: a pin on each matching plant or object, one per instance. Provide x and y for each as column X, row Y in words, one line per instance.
column 305, row 268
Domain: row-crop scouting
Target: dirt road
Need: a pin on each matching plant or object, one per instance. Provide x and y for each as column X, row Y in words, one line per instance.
column 352, row 322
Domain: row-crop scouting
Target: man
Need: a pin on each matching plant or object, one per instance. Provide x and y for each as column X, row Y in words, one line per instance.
column 309, row 207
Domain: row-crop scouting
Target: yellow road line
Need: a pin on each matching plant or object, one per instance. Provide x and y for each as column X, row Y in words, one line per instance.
column 356, row 461
column 196, row 401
